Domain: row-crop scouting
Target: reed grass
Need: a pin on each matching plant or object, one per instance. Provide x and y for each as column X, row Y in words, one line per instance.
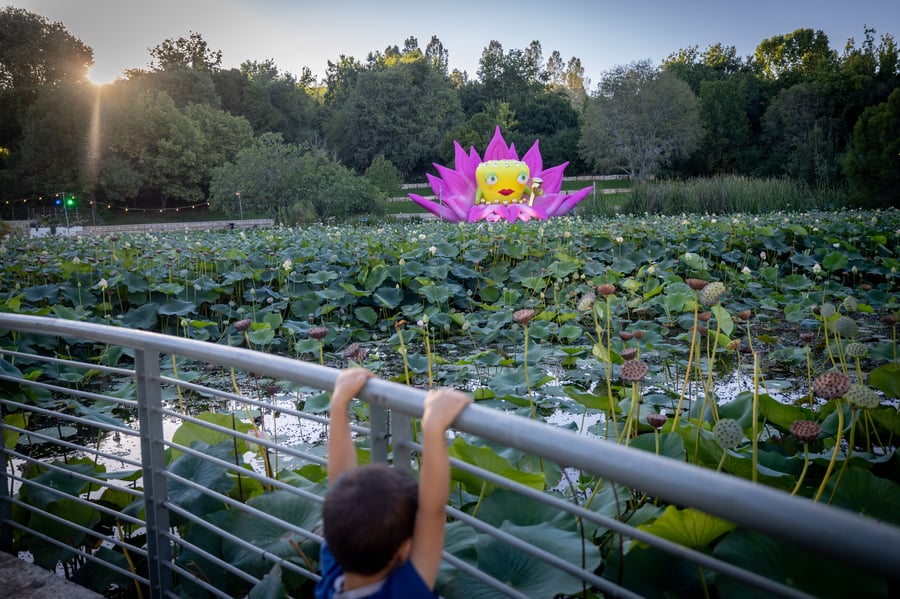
column 722, row 194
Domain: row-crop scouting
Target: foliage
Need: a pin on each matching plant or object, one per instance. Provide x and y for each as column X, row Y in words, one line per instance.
column 719, row 195
column 786, row 285
column 273, row 177
column 384, row 175
column 192, row 52
column 873, row 162
column 401, row 112
column 640, row 121
column 788, row 110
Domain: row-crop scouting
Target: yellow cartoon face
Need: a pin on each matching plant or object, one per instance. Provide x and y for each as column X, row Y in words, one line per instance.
column 501, row 181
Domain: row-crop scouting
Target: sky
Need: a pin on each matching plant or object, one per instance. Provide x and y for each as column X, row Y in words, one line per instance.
column 309, row 33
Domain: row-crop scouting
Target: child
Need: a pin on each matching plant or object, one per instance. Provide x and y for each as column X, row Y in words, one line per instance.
column 384, row 535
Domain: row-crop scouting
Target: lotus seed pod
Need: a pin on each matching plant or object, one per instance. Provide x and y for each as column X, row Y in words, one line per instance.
column 633, row 370
column 586, row 302
column 629, row 353
column 850, row 304
column 656, row 420
column 827, row 310
column 318, row 333
column 523, row 316
column 728, row 433
column 805, row 430
column 862, row 396
column 696, row 284
column 846, row 327
column 856, row 350
column 831, row 384
column 712, row 293
column 606, row 289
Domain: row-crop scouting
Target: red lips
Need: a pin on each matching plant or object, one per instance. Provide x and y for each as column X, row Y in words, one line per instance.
column 505, row 192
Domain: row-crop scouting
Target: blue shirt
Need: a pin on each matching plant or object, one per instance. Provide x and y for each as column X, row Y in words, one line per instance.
column 403, row 581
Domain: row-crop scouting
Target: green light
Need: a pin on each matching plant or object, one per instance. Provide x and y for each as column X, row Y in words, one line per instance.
column 70, row 202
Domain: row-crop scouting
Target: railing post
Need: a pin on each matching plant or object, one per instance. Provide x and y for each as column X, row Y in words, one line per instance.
column 5, row 505
column 378, row 433
column 401, row 435
column 153, row 462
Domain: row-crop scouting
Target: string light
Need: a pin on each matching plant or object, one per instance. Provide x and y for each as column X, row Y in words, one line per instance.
column 108, row 206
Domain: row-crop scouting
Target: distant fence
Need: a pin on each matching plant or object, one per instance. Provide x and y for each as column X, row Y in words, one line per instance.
column 27, row 226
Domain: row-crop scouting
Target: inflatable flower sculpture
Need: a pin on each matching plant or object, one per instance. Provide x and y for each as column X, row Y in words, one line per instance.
column 498, row 187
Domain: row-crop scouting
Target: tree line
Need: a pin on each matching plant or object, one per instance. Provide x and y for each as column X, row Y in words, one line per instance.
column 184, row 130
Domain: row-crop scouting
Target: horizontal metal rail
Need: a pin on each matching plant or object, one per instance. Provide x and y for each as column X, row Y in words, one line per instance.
column 850, row 538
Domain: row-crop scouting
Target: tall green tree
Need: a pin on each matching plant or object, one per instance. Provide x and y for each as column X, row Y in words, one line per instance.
column 801, row 134
column 272, row 101
column 795, row 56
column 401, row 112
column 639, row 121
column 190, row 52
column 158, row 153
column 873, row 162
column 274, row 177
column 36, row 55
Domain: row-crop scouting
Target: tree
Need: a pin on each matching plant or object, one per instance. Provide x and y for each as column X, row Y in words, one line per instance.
column 437, row 54
column 192, row 52
column 277, row 178
column 639, row 120
column 795, row 56
column 401, row 112
column 575, row 82
column 727, row 134
column 384, row 175
column 873, row 162
column 554, row 69
column 160, row 153
column 800, row 134
column 716, row 63
column 35, row 56
column 53, row 150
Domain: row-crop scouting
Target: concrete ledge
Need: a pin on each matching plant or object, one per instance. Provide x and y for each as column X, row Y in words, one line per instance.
column 22, row 580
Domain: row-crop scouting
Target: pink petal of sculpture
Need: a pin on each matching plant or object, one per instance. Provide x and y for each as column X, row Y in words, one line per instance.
column 455, row 188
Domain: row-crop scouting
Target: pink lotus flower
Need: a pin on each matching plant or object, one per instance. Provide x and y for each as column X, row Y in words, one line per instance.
column 455, row 189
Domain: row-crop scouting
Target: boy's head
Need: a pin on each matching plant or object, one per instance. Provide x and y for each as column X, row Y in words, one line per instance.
column 369, row 512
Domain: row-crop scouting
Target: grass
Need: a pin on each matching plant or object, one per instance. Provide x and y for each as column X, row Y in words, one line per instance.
column 723, row 194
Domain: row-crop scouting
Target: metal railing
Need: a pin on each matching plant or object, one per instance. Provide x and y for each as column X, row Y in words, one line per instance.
column 151, row 532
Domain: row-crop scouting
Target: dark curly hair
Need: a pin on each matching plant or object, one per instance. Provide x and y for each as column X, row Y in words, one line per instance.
column 369, row 512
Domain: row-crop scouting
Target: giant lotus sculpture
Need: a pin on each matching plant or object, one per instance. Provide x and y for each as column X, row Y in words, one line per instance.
column 499, row 186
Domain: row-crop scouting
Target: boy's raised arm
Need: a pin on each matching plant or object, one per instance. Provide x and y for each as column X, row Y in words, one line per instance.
column 341, row 451
column 441, row 408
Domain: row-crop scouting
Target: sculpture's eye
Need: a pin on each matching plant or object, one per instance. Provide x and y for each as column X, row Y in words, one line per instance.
column 522, row 178
column 491, row 179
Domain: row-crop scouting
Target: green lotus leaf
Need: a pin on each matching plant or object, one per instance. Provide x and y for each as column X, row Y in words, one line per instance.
column 688, row 527
column 790, row 565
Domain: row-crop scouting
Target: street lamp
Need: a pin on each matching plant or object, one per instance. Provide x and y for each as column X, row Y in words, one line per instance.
column 240, row 204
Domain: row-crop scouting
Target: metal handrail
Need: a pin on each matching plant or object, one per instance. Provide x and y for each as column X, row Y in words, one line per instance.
column 851, row 538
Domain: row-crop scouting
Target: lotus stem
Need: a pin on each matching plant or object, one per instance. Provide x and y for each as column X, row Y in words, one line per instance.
column 755, row 439
column 525, row 367
column 607, row 369
column 854, row 417
column 837, row 448
column 687, row 371
column 721, row 460
column 805, row 468
column 137, row 585
column 809, row 377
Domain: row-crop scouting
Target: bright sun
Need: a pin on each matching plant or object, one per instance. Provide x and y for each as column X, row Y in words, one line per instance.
column 98, row 78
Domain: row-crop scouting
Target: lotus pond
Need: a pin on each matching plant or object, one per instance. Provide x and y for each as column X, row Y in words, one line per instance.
column 761, row 346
